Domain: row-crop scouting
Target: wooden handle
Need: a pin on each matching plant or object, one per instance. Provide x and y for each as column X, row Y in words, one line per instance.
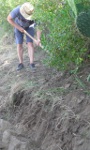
column 29, row 36
column 32, row 38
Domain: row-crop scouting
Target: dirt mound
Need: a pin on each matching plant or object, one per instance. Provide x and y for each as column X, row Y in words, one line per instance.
column 53, row 106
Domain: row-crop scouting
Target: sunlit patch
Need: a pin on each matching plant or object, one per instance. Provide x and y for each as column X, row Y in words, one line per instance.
column 6, row 62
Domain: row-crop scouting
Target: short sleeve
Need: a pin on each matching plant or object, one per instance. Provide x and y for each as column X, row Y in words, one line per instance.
column 14, row 13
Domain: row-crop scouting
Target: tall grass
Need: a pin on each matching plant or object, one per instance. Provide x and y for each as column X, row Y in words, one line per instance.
column 72, row 5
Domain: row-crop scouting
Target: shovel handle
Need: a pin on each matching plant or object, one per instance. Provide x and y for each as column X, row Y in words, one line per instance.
column 32, row 38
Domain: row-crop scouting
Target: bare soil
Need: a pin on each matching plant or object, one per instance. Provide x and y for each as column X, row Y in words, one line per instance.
column 53, row 106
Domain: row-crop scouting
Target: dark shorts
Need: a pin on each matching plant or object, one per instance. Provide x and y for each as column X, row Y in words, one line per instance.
column 19, row 35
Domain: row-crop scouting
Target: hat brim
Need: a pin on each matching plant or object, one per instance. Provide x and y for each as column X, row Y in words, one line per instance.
column 26, row 16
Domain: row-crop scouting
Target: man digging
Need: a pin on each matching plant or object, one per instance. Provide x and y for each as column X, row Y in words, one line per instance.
column 21, row 19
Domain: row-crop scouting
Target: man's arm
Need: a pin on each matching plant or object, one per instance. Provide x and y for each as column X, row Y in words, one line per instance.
column 11, row 21
column 38, row 33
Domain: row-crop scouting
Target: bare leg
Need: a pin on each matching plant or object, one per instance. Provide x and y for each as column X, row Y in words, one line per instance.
column 31, row 52
column 20, row 52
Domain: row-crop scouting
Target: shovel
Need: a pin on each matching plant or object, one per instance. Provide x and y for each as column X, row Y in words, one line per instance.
column 32, row 38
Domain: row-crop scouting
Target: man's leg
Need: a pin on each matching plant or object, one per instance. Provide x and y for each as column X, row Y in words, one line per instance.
column 19, row 42
column 31, row 52
column 20, row 52
column 30, row 47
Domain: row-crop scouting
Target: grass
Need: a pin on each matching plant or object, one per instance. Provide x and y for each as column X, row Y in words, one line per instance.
column 82, row 84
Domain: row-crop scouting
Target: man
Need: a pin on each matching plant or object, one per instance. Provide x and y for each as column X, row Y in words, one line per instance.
column 21, row 19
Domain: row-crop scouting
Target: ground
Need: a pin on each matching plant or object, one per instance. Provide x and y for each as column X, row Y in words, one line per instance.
column 53, row 106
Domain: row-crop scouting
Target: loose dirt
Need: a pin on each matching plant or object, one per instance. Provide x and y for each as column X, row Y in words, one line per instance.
column 53, row 106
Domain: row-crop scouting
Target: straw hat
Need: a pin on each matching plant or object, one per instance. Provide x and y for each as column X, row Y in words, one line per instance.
column 26, row 10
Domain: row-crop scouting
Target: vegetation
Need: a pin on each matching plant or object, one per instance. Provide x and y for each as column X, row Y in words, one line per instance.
column 65, row 45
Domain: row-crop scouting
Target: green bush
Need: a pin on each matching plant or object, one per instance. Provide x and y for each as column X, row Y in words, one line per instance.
column 63, row 43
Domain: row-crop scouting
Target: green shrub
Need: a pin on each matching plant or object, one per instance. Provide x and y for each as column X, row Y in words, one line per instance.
column 63, row 43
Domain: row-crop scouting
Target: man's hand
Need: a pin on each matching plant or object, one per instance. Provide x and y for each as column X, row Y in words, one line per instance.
column 38, row 42
column 20, row 29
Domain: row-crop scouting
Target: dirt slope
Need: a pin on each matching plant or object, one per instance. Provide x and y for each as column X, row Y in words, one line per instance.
column 53, row 106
